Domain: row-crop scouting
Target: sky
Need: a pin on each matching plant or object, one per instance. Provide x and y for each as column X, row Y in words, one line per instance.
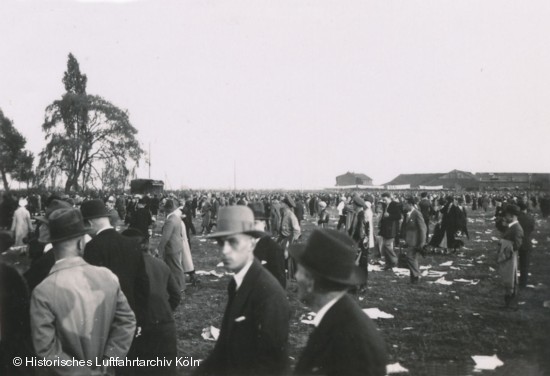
column 295, row 92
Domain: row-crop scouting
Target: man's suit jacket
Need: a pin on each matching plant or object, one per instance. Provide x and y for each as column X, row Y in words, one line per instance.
column 346, row 342
column 122, row 256
column 79, row 311
column 270, row 251
column 515, row 235
column 389, row 226
column 254, row 333
column 415, row 229
column 172, row 236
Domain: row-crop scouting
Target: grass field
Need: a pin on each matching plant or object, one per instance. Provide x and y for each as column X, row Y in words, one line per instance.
column 436, row 328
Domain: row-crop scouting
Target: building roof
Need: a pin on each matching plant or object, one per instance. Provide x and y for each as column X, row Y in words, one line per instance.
column 414, row 179
column 357, row 175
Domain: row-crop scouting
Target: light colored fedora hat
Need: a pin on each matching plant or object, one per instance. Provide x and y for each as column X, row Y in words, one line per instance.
column 233, row 220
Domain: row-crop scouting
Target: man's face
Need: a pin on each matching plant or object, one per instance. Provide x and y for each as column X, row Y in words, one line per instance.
column 305, row 284
column 509, row 218
column 236, row 251
column 110, row 203
column 407, row 207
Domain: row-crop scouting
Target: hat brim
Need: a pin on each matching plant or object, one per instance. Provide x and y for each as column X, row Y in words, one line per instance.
column 221, row 234
column 356, row 277
column 41, row 219
column 103, row 215
column 87, row 230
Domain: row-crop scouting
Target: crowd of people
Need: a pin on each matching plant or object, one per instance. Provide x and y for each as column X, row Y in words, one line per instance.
column 97, row 288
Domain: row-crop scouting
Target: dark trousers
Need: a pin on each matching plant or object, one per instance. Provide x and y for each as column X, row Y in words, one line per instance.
column 524, row 256
column 341, row 222
column 157, row 341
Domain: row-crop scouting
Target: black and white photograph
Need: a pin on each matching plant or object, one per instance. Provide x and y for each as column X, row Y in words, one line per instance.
column 284, row 187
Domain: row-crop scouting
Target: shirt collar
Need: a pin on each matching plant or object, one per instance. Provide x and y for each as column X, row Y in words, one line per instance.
column 321, row 313
column 513, row 223
column 173, row 213
column 240, row 275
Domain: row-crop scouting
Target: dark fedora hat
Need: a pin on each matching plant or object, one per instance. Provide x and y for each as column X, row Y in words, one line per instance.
column 234, row 220
column 289, row 201
column 93, row 209
column 169, row 205
column 331, row 255
column 54, row 205
column 66, row 224
column 512, row 209
column 258, row 209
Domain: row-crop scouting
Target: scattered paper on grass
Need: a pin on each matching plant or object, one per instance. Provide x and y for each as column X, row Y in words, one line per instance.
column 210, row 333
column 402, row 272
column 443, row 281
column 211, row 272
column 375, row 313
column 469, row 281
column 487, row 362
column 534, row 241
column 546, row 304
column 433, row 273
column 425, row 267
column 219, row 265
column 375, row 268
column 492, row 269
column 454, row 268
column 448, row 263
column 395, row 368
column 494, row 238
column 202, row 240
column 408, row 328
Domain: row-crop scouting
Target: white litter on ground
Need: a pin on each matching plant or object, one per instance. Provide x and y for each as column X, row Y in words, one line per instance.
column 448, row 263
column 211, row 272
column 210, row 333
column 469, row 281
column 375, row 313
column 487, row 362
column 395, row 368
column 443, row 281
column 219, row 265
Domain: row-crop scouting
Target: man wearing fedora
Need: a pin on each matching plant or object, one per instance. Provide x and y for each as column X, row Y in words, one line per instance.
column 119, row 254
column 507, row 257
column 170, row 248
column 40, row 268
column 79, row 311
column 345, row 341
column 289, row 231
column 414, row 232
column 254, row 332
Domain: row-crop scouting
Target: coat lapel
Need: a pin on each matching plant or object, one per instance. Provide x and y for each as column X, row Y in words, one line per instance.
column 242, row 294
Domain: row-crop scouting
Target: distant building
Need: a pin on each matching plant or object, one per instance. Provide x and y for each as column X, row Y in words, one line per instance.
column 487, row 181
column 146, row 186
column 351, row 178
column 454, row 179
column 513, row 180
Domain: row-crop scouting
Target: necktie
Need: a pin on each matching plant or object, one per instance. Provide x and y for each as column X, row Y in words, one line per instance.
column 231, row 290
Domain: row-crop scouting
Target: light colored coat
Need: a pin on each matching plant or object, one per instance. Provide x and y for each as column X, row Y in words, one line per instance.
column 21, row 225
column 79, row 311
column 172, row 235
column 415, row 230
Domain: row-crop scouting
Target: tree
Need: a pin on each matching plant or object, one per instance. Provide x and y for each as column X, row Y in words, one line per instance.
column 84, row 131
column 14, row 160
